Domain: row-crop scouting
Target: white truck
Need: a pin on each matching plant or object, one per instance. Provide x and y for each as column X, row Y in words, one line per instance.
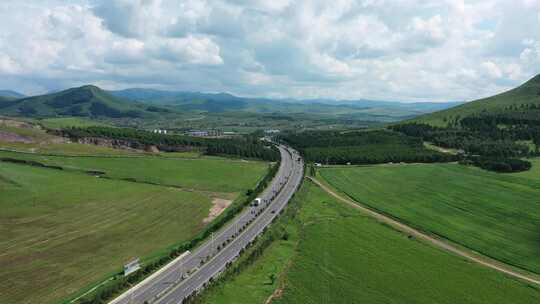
column 256, row 202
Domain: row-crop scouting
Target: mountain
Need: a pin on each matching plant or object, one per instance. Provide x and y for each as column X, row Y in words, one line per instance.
column 224, row 102
column 11, row 94
column 86, row 101
column 526, row 95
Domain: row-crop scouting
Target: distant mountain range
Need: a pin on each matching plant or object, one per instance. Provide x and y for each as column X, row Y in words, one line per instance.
column 11, row 94
column 180, row 98
column 91, row 101
column 368, row 110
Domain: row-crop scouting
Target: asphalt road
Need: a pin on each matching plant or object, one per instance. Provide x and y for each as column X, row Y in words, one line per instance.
column 190, row 273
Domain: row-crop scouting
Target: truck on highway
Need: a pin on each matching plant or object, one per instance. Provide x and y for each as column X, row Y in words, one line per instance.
column 256, row 202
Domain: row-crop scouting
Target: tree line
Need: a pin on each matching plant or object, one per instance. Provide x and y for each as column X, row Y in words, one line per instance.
column 494, row 141
column 247, row 146
column 362, row 147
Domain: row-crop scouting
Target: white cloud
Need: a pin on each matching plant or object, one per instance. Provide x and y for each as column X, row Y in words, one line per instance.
column 189, row 50
column 400, row 50
column 492, row 69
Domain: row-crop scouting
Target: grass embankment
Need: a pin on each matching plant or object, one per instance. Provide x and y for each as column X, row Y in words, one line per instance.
column 495, row 214
column 63, row 230
column 335, row 254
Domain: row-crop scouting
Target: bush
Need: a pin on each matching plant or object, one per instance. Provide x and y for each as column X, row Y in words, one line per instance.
column 507, row 165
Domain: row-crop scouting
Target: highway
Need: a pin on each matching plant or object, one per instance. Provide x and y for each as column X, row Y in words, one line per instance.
column 190, row 273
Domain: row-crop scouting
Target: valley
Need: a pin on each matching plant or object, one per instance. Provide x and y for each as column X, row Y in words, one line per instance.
column 269, row 152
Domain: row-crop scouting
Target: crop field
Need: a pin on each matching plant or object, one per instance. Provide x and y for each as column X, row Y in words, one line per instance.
column 341, row 256
column 495, row 214
column 63, row 230
column 60, row 231
column 203, row 174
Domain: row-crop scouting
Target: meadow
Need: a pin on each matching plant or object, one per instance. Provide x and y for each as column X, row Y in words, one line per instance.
column 201, row 174
column 65, row 230
column 61, row 231
column 335, row 254
column 495, row 214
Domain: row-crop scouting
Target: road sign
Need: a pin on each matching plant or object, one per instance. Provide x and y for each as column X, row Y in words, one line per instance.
column 131, row 266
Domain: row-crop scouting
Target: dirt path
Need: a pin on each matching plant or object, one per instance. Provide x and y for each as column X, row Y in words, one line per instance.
column 477, row 258
column 218, row 206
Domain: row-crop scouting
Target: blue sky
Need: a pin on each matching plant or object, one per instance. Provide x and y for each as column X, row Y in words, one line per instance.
column 409, row 50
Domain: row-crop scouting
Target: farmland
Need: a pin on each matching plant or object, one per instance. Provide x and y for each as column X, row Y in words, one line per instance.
column 497, row 215
column 335, row 254
column 207, row 174
column 64, row 230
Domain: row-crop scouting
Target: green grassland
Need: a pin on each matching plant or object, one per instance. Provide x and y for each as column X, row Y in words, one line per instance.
column 335, row 254
column 61, row 231
column 495, row 214
column 64, row 122
column 528, row 94
column 204, row 174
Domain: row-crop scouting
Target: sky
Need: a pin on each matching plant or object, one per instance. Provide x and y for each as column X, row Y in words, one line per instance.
column 402, row 50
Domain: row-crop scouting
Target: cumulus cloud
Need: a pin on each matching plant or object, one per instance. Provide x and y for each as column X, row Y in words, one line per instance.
column 400, row 50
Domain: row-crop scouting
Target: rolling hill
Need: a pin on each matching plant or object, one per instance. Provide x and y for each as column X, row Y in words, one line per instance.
column 225, row 102
column 86, row 101
column 527, row 94
column 12, row 94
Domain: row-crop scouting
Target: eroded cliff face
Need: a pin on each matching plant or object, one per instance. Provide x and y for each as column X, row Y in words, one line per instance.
column 111, row 143
column 133, row 145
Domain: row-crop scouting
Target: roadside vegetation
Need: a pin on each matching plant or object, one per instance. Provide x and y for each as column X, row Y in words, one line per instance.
column 496, row 215
column 335, row 254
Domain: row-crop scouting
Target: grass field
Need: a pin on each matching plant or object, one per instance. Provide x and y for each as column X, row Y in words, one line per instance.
column 60, row 231
column 338, row 255
column 64, row 122
column 204, row 174
column 495, row 214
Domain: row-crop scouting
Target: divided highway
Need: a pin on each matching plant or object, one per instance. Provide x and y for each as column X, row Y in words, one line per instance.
column 190, row 272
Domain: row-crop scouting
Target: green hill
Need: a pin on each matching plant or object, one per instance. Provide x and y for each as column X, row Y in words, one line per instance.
column 86, row 101
column 9, row 93
column 528, row 94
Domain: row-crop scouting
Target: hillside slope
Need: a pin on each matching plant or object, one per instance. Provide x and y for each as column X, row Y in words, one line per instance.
column 86, row 101
column 368, row 110
column 526, row 94
column 9, row 93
